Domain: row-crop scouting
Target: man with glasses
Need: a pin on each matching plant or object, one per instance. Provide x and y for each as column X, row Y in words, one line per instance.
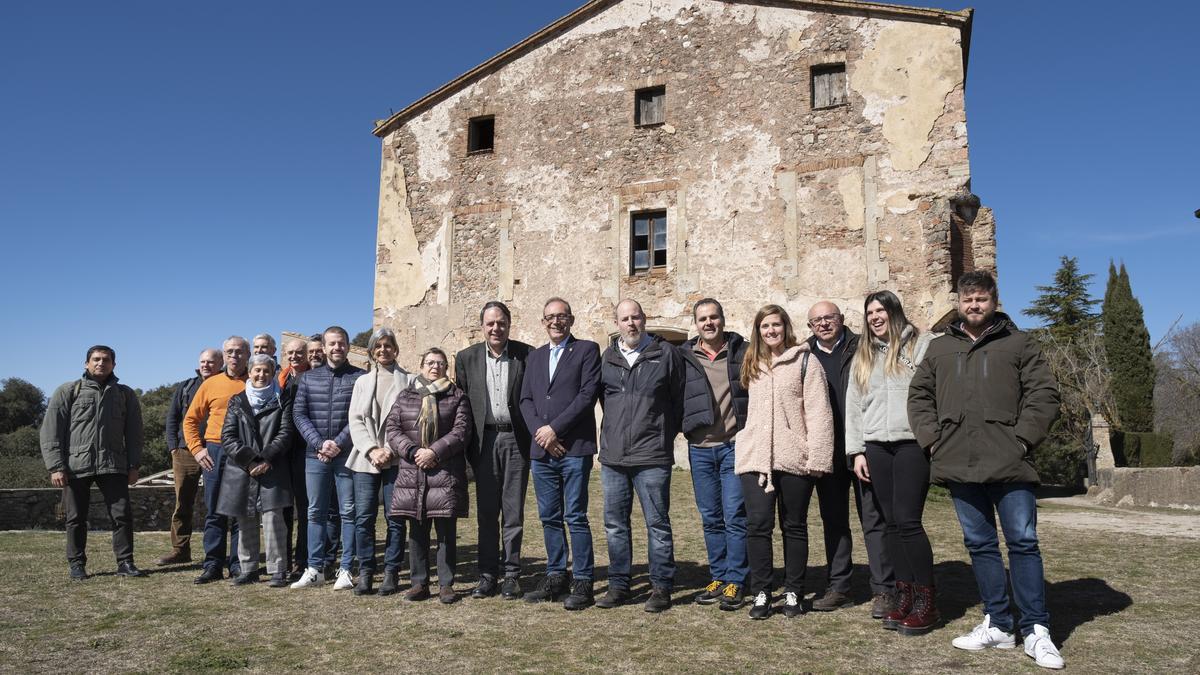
column 490, row 374
column 833, row 344
column 558, row 400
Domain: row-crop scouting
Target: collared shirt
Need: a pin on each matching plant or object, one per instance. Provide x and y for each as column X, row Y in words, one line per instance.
column 497, row 386
column 556, row 352
column 631, row 355
column 832, row 349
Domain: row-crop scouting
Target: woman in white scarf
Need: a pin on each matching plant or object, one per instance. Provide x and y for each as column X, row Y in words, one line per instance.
column 373, row 467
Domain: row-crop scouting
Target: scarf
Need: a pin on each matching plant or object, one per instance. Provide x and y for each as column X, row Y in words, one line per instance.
column 427, row 423
column 260, row 397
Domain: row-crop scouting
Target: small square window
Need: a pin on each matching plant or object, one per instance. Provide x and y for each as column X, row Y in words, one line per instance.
column 650, row 106
column 481, row 134
column 828, row 85
column 648, row 244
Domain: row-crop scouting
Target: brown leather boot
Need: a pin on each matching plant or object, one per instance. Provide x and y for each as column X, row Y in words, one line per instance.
column 904, row 605
column 924, row 615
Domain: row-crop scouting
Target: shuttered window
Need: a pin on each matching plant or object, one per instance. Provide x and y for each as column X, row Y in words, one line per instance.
column 648, row 248
column 650, row 107
column 828, row 85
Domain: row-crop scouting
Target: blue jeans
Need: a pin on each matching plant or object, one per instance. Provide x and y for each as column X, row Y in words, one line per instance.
column 722, row 511
column 561, row 488
column 216, row 526
column 366, row 505
column 977, row 505
column 653, row 487
column 325, row 481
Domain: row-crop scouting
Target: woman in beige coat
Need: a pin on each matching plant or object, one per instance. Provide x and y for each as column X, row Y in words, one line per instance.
column 372, row 400
column 786, row 445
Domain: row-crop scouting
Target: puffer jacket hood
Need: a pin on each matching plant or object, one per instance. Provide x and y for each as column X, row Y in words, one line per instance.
column 643, row 405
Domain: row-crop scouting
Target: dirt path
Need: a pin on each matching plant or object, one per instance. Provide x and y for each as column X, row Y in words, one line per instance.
column 1082, row 514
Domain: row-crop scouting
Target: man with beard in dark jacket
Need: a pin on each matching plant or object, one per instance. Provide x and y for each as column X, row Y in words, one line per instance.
column 714, row 410
column 641, row 385
column 833, row 344
column 184, row 469
column 980, row 402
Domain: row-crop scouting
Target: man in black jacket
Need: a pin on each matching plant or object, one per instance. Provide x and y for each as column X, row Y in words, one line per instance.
column 641, row 385
column 714, row 410
column 834, row 345
column 184, row 469
column 490, row 372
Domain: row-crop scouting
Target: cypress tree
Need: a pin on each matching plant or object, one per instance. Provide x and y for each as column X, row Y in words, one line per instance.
column 1066, row 305
column 1127, row 344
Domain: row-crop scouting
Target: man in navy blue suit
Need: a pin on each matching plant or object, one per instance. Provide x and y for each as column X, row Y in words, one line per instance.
column 558, row 400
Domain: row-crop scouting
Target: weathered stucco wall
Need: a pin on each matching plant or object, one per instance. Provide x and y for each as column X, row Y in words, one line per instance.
column 767, row 199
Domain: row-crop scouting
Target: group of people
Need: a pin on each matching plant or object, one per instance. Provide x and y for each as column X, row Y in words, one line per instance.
column 309, row 452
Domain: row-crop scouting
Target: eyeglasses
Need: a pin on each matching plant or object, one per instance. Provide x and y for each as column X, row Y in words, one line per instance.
column 827, row 318
column 436, row 364
column 561, row 318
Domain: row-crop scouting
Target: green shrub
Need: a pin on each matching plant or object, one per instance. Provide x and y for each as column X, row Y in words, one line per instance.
column 23, row 472
column 22, row 442
column 1060, row 463
column 1142, row 449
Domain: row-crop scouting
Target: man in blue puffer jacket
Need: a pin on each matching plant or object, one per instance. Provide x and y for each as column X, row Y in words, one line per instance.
column 322, row 416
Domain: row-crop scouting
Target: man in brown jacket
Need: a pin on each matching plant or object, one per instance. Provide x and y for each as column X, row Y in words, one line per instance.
column 980, row 402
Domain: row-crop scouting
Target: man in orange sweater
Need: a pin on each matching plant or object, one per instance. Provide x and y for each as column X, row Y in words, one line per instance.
column 208, row 409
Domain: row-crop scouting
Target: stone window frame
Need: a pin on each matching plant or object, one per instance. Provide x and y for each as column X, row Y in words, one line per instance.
column 472, row 121
column 827, row 61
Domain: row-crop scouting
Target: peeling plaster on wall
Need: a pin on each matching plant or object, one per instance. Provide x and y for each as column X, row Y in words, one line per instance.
column 758, row 51
column 400, row 280
column 850, row 186
column 906, row 76
column 751, row 175
column 432, row 130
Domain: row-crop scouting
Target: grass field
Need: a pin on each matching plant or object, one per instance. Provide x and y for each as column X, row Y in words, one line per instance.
column 1119, row 603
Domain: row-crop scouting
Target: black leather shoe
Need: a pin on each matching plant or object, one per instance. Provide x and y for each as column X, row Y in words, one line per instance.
column 245, row 579
column 78, row 571
column 581, row 596
column 128, row 569
column 615, row 597
column 549, row 589
column 510, row 589
column 278, row 580
column 365, row 583
column 659, row 600
column 486, row 587
column 209, row 575
column 390, row 581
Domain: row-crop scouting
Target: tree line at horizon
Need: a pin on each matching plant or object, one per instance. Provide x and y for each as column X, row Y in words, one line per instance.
column 1103, row 361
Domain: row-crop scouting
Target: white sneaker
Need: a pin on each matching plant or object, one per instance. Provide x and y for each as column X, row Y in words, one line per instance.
column 344, row 581
column 311, row 577
column 1039, row 646
column 985, row 635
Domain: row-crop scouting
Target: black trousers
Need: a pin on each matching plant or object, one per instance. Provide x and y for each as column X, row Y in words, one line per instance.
column 296, row 516
column 501, row 481
column 900, row 476
column 790, row 498
column 76, row 497
column 833, row 498
column 418, row 549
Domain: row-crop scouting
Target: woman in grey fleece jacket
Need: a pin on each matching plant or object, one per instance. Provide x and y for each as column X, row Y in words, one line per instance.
column 885, row 453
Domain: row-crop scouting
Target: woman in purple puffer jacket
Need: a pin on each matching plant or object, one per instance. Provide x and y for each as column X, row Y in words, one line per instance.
column 427, row 432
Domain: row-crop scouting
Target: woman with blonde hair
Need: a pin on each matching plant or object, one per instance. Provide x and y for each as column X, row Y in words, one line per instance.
column 373, row 465
column 786, row 445
column 885, row 454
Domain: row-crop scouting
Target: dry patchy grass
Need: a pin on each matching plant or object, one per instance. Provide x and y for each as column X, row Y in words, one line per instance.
column 1121, row 602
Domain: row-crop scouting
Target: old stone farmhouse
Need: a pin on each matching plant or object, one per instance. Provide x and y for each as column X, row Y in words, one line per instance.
column 756, row 151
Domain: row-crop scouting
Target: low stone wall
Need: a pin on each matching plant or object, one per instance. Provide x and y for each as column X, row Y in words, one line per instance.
column 42, row 509
column 1176, row 487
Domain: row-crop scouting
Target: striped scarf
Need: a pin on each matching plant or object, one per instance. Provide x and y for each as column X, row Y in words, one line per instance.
column 427, row 423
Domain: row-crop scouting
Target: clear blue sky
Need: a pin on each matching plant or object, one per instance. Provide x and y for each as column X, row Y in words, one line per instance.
column 150, row 150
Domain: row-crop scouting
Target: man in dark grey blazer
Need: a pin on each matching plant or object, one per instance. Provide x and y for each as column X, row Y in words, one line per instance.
column 490, row 373
column 558, row 401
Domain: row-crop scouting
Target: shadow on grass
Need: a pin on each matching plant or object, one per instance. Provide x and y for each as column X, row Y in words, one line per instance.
column 1076, row 602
